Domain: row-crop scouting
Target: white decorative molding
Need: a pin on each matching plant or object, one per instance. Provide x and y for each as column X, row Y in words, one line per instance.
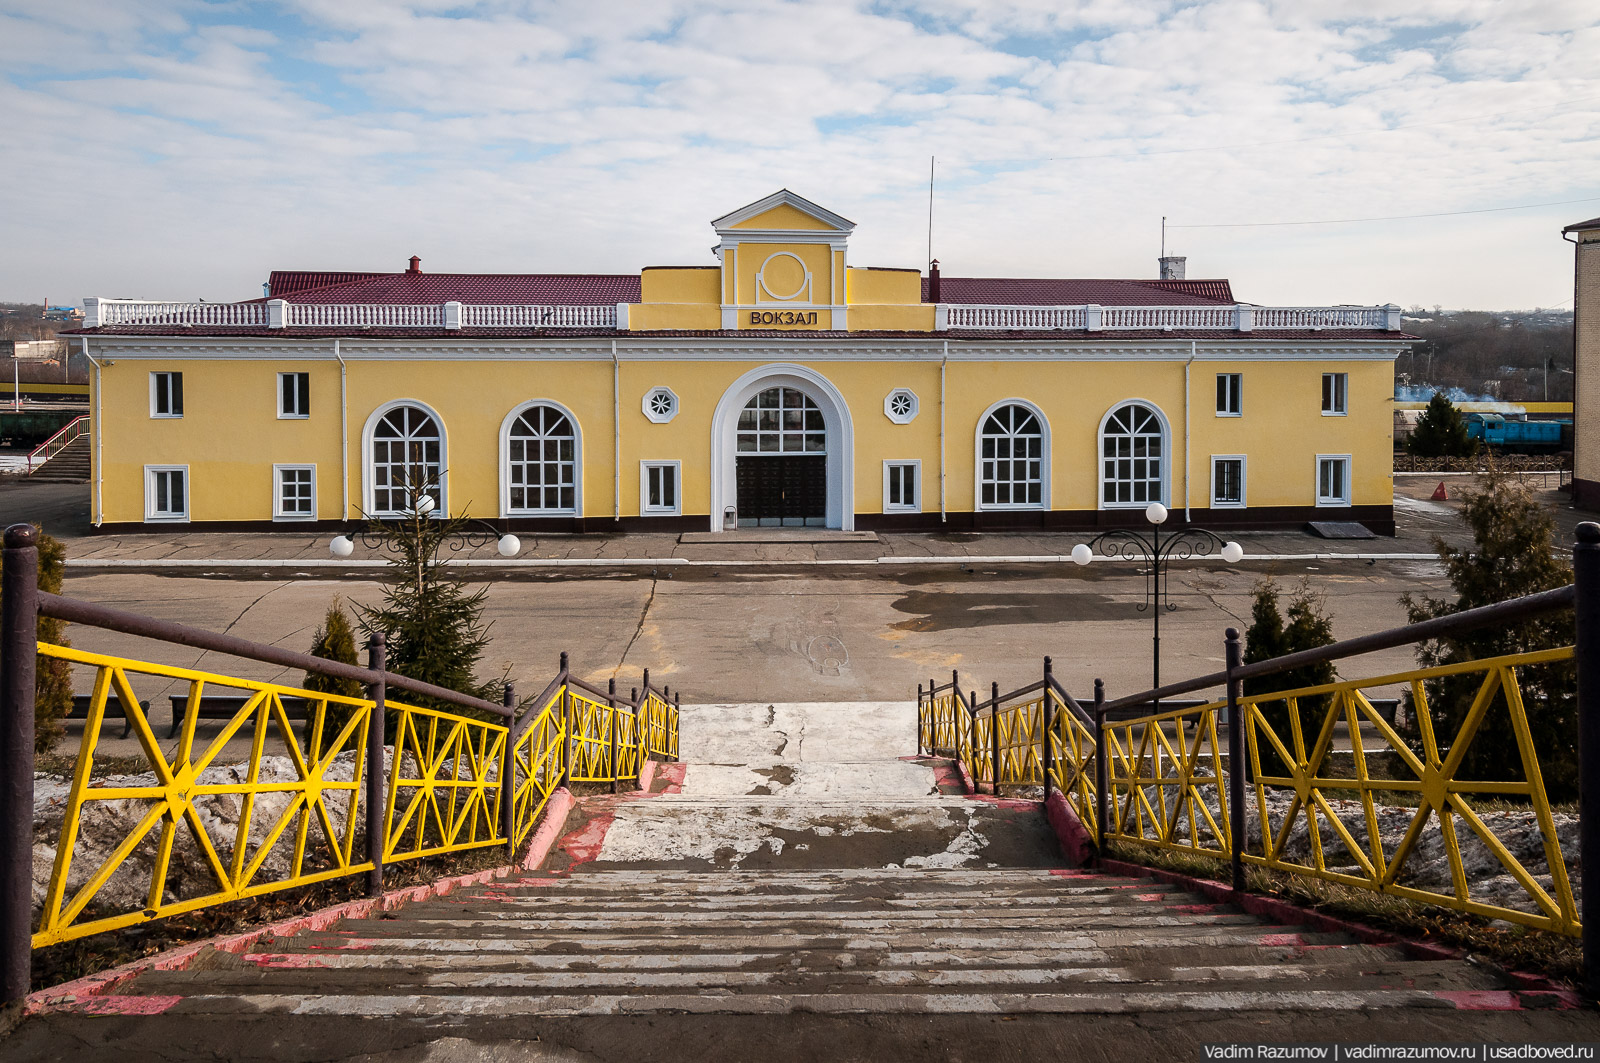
column 835, row 417
column 801, row 296
column 452, row 315
column 660, row 405
column 900, row 405
column 783, row 198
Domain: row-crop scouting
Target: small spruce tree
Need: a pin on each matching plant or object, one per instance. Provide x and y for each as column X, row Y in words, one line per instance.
column 52, row 684
column 1513, row 554
column 53, row 680
column 1308, row 626
column 433, row 626
column 335, row 640
column 1441, row 432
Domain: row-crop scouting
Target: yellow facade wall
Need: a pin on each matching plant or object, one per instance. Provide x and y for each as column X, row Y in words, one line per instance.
column 902, row 286
column 784, row 217
column 647, row 317
column 230, row 435
column 679, row 284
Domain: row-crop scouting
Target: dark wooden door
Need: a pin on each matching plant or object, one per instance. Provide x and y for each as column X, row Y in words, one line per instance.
column 782, row 490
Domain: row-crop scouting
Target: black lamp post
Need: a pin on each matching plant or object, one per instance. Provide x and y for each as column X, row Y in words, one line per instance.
column 1156, row 550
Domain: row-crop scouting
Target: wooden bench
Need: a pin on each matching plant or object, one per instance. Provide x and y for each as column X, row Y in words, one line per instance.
column 80, row 710
column 227, row 706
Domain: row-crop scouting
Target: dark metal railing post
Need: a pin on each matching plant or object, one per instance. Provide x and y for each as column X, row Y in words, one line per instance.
column 933, row 717
column 611, row 700
column 972, row 738
column 919, row 719
column 377, row 659
column 19, row 634
column 677, row 707
column 1233, row 657
column 1048, row 715
column 994, row 735
column 566, row 725
column 1586, row 651
column 508, row 773
column 1102, row 766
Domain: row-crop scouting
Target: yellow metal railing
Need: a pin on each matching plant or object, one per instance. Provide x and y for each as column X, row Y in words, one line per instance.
column 1166, row 783
column 197, row 830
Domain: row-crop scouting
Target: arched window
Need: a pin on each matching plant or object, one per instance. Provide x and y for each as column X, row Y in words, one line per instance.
column 1133, row 456
column 405, row 459
column 1013, row 458
column 781, row 421
column 541, row 453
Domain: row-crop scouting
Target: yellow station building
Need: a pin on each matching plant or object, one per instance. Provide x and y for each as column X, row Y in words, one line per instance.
column 778, row 385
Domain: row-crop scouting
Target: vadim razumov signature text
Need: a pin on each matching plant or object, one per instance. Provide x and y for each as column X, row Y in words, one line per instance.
column 1332, row 1053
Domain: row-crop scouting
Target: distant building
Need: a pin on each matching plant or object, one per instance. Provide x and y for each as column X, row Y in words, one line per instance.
column 63, row 313
column 1585, row 235
column 776, row 385
column 34, row 350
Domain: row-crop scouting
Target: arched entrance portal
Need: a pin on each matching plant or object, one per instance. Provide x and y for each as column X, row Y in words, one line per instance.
column 781, row 461
column 781, row 444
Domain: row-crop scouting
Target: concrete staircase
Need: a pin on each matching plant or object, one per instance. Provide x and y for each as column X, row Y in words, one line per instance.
column 69, row 465
column 808, row 881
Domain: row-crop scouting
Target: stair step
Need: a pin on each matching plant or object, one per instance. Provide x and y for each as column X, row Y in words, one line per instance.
column 519, row 1004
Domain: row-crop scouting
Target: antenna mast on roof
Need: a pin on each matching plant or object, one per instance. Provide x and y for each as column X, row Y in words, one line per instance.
column 930, row 210
column 1163, row 236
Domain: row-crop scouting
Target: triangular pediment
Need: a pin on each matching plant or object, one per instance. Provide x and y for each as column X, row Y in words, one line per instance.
column 783, row 211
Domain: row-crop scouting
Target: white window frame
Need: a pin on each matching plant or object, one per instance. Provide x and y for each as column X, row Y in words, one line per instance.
column 296, row 415
column 1100, row 457
column 169, row 517
column 277, row 491
column 505, row 461
column 368, row 488
column 1236, row 395
column 160, row 374
column 1244, row 481
column 1331, row 503
column 1341, row 395
column 645, row 508
column 915, row 505
column 978, row 504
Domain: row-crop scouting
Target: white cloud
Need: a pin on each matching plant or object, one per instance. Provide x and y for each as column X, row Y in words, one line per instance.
column 178, row 149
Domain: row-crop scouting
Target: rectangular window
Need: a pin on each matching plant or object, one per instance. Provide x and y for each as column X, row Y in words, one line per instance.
column 902, row 486
column 166, row 492
column 659, row 494
column 1334, row 386
column 1227, row 481
column 294, row 492
column 1230, row 394
column 166, row 394
column 1333, row 479
column 294, row 395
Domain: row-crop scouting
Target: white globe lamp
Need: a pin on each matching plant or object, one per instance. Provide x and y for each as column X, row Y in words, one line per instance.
column 508, row 546
column 1155, row 513
column 426, row 505
column 1082, row 555
column 341, row 546
column 1232, row 552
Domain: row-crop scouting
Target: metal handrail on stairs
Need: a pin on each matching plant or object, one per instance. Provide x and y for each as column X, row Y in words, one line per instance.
column 1248, row 779
column 68, row 434
column 417, row 780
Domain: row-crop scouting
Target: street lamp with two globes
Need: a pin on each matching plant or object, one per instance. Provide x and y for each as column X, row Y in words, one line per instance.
column 1156, row 551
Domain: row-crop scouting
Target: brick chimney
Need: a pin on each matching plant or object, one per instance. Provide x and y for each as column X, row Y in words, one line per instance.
column 416, row 265
column 1172, row 267
column 933, row 281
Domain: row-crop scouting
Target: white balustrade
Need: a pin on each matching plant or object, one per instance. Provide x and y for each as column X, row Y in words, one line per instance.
column 511, row 316
column 132, row 312
column 1164, row 318
column 365, row 315
column 997, row 316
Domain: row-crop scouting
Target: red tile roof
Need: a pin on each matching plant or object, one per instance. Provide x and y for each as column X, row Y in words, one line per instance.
column 284, row 282
column 1030, row 291
column 561, row 289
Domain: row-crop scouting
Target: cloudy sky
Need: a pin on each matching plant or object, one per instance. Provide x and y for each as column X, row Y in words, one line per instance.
column 180, row 149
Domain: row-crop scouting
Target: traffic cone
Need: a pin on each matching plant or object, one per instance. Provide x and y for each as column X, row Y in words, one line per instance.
column 1440, row 494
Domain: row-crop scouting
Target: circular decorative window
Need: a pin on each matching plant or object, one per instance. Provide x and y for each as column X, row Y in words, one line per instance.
column 900, row 406
column 660, row 405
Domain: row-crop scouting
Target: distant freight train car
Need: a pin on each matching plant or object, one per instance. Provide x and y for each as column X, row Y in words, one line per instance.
column 1521, row 437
